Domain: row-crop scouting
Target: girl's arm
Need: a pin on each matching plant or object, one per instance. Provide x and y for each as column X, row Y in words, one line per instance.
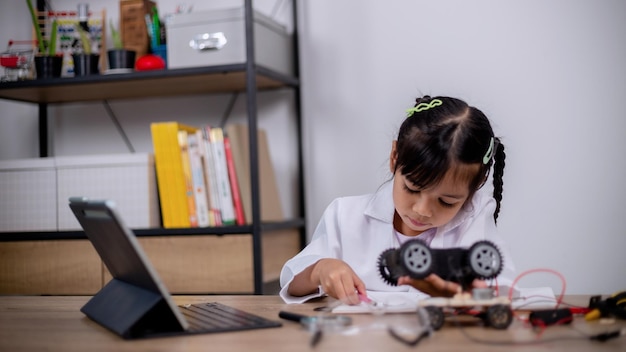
column 303, row 284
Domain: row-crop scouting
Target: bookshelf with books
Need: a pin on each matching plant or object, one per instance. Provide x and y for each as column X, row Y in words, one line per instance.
column 199, row 172
column 241, row 255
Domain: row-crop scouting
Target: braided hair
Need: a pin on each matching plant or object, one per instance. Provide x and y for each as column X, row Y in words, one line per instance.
column 444, row 133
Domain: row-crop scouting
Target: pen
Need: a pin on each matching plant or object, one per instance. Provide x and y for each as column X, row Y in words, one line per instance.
column 292, row 316
column 150, row 29
column 363, row 297
column 156, row 23
column 310, row 322
column 317, row 336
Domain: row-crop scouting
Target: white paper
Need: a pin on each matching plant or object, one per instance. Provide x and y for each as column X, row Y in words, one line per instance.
column 387, row 302
column 407, row 302
column 533, row 298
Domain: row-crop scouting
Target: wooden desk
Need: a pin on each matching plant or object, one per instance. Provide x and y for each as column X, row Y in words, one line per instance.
column 54, row 323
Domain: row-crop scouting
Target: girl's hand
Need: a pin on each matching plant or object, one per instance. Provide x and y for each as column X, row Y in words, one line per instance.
column 338, row 280
column 436, row 286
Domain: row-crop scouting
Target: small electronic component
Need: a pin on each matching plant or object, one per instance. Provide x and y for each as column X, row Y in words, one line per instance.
column 317, row 325
column 615, row 305
column 547, row 317
column 495, row 312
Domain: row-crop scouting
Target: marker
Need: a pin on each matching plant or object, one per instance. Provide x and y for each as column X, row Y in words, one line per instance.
column 364, row 298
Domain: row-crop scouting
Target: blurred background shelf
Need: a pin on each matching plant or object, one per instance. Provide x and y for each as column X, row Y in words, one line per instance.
column 230, row 259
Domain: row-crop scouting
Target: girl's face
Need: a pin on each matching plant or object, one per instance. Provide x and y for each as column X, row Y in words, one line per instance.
column 418, row 210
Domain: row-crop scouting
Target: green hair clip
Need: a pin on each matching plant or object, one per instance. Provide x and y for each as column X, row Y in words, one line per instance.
column 489, row 153
column 423, row 106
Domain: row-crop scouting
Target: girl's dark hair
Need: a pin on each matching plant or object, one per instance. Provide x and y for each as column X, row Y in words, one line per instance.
column 447, row 134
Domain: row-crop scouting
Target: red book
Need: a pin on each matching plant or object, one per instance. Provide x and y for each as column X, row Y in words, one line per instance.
column 240, row 218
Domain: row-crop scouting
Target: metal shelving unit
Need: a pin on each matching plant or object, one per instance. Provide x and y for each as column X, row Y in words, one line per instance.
column 247, row 77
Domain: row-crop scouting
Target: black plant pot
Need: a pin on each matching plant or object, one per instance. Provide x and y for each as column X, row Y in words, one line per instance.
column 121, row 58
column 48, row 66
column 85, row 64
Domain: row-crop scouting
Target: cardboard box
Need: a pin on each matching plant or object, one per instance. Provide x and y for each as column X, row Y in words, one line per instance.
column 28, row 195
column 133, row 28
column 218, row 37
column 127, row 179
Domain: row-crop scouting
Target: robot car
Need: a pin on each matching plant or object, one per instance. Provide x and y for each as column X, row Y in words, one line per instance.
column 461, row 265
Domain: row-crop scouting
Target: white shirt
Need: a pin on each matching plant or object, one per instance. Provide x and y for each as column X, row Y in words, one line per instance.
column 358, row 229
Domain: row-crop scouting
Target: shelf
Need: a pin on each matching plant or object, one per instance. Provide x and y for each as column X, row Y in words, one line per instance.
column 196, row 231
column 143, row 84
column 247, row 77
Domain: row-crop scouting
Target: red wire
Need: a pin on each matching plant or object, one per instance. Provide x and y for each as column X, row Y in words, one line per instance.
column 531, row 271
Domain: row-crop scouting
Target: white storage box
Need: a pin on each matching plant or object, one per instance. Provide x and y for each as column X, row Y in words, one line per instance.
column 218, row 37
column 28, row 195
column 127, row 179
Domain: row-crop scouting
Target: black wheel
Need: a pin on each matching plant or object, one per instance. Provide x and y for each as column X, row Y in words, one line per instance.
column 436, row 317
column 416, row 258
column 388, row 266
column 485, row 260
column 499, row 316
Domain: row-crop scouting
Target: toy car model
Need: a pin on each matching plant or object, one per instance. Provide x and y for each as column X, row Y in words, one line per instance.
column 495, row 312
column 462, row 265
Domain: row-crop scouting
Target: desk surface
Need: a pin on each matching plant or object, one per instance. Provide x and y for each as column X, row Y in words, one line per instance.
column 51, row 323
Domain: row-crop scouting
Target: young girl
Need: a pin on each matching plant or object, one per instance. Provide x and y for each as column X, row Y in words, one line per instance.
column 440, row 162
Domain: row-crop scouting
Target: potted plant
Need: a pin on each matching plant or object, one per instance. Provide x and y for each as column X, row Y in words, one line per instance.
column 119, row 58
column 85, row 62
column 48, row 63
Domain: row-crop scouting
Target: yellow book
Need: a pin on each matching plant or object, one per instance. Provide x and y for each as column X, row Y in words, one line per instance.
column 189, row 193
column 170, row 175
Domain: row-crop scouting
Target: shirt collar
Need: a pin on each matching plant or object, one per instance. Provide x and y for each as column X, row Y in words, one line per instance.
column 381, row 207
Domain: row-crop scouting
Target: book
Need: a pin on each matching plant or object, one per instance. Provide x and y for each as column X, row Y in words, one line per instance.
column 211, row 177
column 227, row 210
column 189, row 193
column 271, row 209
column 205, row 173
column 169, row 172
column 197, row 176
column 240, row 218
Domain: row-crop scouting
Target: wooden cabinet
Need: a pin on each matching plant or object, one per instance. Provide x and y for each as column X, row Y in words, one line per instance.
column 187, row 264
column 237, row 259
column 60, row 267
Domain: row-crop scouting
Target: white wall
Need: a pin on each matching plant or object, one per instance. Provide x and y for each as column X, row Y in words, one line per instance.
column 549, row 74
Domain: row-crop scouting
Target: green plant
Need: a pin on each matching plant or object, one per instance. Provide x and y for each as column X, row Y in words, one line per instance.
column 84, row 39
column 115, row 36
column 45, row 47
